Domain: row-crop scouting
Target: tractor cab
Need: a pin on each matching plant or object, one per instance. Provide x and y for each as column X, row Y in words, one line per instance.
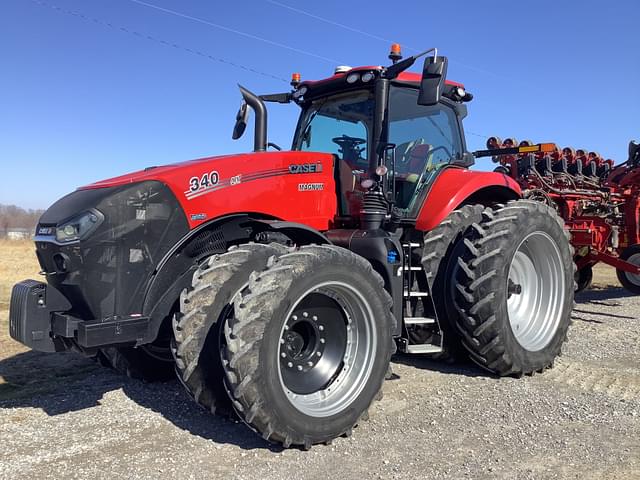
column 388, row 129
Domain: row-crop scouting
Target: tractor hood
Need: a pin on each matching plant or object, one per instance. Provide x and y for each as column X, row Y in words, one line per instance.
column 162, row 171
column 292, row 184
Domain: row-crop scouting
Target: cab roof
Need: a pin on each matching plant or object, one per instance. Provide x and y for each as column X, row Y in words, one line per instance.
column 404, row 77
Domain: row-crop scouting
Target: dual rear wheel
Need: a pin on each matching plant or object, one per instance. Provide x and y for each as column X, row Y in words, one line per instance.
column 514, row 288
column 502, row 284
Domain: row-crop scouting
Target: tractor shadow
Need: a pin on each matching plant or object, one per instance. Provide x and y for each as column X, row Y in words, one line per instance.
column 60, row 383
column 600, row 296
column 458, row 367
column 605, row 297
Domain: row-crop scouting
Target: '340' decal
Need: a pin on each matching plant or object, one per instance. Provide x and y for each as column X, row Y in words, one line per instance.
column 207, row 180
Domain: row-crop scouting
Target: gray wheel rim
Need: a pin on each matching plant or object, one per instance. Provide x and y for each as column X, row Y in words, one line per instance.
column 352, row 375
column 633, row 277
column 536, row 291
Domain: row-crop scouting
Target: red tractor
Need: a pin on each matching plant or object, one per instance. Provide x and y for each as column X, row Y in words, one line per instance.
column 278, row 284
column 600, row 203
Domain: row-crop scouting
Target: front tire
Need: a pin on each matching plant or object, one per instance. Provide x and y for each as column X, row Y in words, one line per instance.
column 203, row 309
column 515, row 288
column 309, row 345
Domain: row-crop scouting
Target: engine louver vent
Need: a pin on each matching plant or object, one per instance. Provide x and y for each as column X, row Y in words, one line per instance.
column 207, row 243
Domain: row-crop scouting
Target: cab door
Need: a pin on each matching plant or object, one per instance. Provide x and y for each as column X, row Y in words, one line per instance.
column 427, row 139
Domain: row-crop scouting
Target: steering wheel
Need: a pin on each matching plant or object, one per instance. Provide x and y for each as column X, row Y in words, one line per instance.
column 347, row 141
column 351, row 150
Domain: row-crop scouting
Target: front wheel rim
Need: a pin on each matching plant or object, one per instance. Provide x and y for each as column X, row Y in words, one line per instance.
column 535, row 291
column 327, row 349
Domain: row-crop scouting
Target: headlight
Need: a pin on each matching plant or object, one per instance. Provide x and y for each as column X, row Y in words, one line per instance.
column 367, row 77
column 353, row 78
column 78, row 227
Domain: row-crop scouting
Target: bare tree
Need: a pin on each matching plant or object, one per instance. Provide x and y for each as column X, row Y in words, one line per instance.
column 12, row 216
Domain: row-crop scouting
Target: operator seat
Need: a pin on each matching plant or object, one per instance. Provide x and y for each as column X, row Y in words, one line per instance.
column 348, row 187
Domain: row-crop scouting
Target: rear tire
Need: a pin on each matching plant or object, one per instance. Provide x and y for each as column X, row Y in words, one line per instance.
column 630, row 281
column 309, row 345
column 203, row 309
column 440, row 260
column 515, row 289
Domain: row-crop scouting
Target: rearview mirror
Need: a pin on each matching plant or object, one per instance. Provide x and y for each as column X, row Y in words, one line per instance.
column 241, row 121
column 434, row 73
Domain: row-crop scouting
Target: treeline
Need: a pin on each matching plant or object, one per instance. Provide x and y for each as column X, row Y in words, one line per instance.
column 12, row 216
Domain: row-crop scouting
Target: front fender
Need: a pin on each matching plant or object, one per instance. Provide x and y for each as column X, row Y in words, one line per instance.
column 456, row 186
column 175, row 271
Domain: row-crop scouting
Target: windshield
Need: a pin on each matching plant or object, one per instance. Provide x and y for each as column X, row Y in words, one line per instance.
column 427, row 138
column 339, row 124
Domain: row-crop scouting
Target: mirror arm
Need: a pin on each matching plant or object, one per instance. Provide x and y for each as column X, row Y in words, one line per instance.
column 276, row 97
column 260, row 110
column 396, row 69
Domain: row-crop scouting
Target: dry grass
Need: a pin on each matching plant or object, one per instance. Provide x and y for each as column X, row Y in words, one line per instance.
column 604, row 276
column 17, row 262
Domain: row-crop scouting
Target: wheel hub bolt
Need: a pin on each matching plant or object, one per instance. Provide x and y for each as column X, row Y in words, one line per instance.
column 310, row 364
column 289, row 364
column 294, row 318
column 314, row 318
column 305, row 314
column 283, row 355
column 300, row 367
column 320, row 327
column 322, row 340
column 318, row 354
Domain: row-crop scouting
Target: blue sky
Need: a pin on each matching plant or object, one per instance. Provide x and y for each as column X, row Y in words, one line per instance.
column 85, row 94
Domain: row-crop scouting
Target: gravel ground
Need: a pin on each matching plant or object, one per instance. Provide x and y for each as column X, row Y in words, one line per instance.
column 62, row 416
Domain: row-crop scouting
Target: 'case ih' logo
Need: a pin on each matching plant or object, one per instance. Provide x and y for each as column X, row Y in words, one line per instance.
column 305, row 168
